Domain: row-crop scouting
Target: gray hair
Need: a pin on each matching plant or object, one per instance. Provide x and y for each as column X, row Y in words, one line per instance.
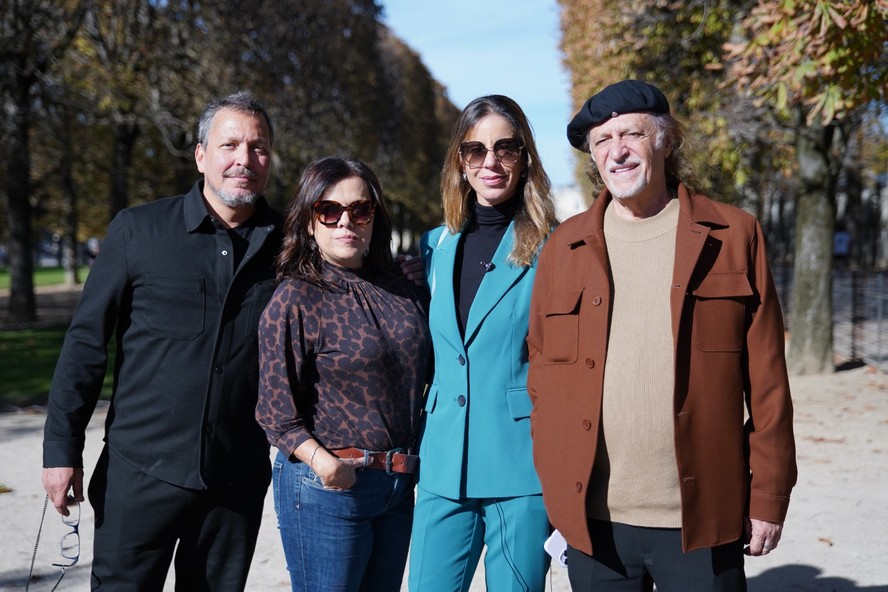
column 242, row 101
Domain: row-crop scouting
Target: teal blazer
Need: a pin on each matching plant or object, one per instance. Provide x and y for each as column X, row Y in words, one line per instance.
column 475, row 436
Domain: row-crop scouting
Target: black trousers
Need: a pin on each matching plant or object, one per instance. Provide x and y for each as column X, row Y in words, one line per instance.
column 634, row 558
column 141, row 522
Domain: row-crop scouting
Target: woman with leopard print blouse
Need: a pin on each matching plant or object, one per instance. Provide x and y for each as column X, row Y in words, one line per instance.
column 344, row 349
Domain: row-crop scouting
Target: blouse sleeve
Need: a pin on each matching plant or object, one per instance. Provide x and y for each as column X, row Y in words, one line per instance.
column 283, row 359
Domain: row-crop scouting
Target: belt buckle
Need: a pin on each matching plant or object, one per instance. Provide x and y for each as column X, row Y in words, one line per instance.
column 389, row 464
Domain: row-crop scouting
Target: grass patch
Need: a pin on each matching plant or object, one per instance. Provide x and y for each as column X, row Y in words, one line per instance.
column 27, row 360
column 28, row 356
column 44, row 276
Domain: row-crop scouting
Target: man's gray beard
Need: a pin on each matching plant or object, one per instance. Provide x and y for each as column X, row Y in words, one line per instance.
column 235, row 200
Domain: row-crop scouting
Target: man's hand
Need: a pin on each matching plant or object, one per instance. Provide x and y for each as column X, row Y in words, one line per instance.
column 412, row 268
column 762, row 537
column 57, row 481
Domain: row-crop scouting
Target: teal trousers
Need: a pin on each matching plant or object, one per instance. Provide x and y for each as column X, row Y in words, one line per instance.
column 449, row 536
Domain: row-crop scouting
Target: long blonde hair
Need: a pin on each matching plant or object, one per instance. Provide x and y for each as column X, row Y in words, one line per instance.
column 535, row 217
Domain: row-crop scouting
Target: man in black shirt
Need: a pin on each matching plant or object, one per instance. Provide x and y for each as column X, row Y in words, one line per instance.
column 181, row 283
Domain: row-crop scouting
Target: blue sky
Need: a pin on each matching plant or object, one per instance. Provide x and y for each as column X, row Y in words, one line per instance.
column 479, row 47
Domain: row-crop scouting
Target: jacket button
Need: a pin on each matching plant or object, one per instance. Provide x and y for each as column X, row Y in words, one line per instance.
column 461, row 400
column 579, row 487
column 587, row 425
column 596, row 300
column 590, row 363
column 461, row 360
column 218, row 369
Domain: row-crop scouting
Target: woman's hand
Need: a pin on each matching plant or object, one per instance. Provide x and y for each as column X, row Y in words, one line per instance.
column 336, row 473
column 413, row 268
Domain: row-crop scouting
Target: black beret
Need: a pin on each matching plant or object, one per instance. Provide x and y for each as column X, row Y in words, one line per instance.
column 626, row 96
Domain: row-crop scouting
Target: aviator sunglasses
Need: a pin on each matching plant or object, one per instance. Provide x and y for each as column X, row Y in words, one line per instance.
column 330, row 212
column 507, row 151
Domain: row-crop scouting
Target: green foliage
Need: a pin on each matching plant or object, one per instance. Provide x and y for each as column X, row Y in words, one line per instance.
column 677, row 46
column 773, row 91
column 828, row 59
column 113, row 112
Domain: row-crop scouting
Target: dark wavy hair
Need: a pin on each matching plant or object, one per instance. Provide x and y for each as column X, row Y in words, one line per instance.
column 536, row 215
column 300, row 257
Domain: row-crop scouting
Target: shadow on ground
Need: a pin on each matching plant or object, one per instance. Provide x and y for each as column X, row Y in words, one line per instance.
column 805, row 578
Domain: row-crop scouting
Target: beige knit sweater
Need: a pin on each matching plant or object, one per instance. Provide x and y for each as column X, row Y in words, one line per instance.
column 635, row 480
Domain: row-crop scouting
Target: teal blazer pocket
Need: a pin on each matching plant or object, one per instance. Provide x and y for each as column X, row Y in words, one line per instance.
column 519, row 403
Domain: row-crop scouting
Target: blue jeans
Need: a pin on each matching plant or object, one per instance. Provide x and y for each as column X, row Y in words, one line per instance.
column 343, row 541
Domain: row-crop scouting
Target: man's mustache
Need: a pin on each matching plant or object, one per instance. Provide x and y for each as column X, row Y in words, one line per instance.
column 241, row 172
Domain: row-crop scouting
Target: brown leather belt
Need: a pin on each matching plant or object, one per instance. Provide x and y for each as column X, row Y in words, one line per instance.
column 391, row 461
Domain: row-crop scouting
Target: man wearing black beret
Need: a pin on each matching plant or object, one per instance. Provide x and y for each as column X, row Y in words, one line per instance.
column 662, row 418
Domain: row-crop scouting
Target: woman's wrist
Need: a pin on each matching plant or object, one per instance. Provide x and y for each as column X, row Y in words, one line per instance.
column 312, row 457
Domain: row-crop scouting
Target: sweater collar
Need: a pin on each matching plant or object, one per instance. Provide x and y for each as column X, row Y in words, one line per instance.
column 498, row 215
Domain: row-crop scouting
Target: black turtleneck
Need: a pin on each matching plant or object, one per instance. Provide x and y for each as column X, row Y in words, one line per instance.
column 480, row 239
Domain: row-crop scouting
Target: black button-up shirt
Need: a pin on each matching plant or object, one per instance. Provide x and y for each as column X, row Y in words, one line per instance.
column 185, row 314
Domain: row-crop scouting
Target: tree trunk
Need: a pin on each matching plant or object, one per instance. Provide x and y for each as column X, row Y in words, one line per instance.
column 125, row 135
column 69, row 243
column 22, row 304
column 880, row 249
column 811, row 335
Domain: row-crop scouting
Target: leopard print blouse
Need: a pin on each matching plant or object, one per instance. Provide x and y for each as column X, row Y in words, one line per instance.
column 346, row 365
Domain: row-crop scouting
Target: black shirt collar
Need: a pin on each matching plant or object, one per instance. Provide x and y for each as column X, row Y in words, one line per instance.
column 196, row 214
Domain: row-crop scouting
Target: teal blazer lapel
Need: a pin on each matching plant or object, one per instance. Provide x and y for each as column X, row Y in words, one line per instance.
column 443, row 307
column 496, row 284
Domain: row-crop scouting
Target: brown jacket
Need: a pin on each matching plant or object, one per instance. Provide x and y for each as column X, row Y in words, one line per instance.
column 729, row 360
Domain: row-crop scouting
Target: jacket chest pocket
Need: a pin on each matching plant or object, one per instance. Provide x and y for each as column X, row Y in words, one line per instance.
column 176, row 307
column 562, row 327
column 720, row 311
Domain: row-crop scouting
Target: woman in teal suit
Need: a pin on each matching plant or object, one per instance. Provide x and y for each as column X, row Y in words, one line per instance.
column 477, row 485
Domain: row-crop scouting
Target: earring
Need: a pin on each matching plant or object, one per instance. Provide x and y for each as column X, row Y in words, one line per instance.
column 465, row 177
